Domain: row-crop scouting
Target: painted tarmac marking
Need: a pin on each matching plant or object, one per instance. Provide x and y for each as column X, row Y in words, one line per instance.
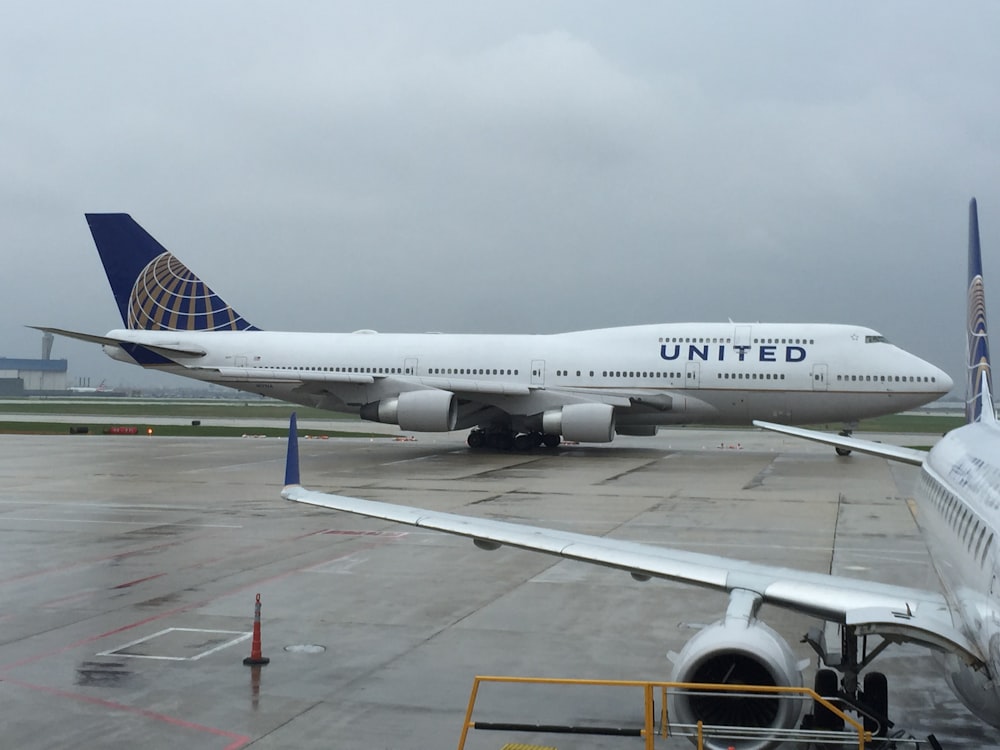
column 93, row 561
column 176, row 611
column 238, row 740
column 407, row 460
column 121, row 650
column 340, row 566
column 70, row 598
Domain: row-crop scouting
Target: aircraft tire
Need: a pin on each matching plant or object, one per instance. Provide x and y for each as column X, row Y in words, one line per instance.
column 843, row 451
column 826, row 685
column 501, row 441
column 523, row 442
column 876, row 701
column 551, row 441
column 476, row 439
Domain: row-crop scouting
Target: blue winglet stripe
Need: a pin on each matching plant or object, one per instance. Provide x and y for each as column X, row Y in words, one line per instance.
column 292, row 457
column 978, row 348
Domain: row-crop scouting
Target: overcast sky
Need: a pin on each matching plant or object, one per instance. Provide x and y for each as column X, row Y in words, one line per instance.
column 505, row 167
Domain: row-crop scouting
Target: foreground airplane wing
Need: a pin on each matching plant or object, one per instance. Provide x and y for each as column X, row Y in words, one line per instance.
column 882, row 450
column 895, row 612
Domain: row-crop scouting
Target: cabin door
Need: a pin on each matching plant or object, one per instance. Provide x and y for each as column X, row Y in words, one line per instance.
column 692, row 375
column 819, row 375
column 538, row 372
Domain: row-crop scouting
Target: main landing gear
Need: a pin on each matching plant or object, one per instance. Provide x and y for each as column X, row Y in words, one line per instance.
column 868, row 698
column 506, row 440
column 846, row 432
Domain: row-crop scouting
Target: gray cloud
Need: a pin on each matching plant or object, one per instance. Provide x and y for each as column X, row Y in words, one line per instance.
column 504, row 167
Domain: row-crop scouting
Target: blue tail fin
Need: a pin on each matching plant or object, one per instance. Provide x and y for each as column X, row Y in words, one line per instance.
column 979, row 379
column 153, row 289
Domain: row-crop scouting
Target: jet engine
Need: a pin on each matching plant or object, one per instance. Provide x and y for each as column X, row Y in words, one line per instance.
column 584, row 423
column 420, row 411
column 737, row 652
column 974, row 688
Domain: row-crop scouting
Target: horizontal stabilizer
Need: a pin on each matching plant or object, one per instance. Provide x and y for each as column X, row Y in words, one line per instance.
column 165, row 349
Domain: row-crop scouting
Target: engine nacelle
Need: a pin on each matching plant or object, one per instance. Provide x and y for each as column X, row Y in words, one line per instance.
column 419, row 411
column 974, row 688
column 584, row 423
column 738, row 652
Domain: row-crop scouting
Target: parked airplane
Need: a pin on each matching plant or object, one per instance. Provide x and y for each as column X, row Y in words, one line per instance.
column 512, row 390
column 958, row 496
column 101, row 388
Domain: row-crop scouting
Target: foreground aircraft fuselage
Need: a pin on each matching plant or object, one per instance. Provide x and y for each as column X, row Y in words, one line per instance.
column 958, row 511
column 958, row 498
column 519, row 390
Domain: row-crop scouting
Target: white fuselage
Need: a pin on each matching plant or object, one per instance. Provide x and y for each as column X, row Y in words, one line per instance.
column 653, row 374
column 958, row 502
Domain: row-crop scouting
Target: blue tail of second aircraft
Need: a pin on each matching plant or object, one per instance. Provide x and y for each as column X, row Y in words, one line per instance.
column 979, row 378
column 154, row 290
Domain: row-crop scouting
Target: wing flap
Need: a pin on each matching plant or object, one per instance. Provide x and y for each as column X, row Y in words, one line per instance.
column 470, row 389
column 271, row 375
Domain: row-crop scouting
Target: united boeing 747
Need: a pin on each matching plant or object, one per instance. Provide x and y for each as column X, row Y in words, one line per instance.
column 516, row 391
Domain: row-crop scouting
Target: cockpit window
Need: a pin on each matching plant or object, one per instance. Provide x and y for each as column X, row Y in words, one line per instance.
column 876, row 340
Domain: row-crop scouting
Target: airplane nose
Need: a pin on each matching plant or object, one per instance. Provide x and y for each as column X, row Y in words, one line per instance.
column 942, row 380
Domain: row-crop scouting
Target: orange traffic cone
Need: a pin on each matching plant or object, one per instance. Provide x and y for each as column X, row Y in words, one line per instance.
column 256, row 657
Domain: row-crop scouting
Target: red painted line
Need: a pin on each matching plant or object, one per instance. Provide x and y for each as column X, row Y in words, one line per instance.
column 306, row 536
column 84, row 563
column 85, row 594
column 238, row 740
column 182, row 608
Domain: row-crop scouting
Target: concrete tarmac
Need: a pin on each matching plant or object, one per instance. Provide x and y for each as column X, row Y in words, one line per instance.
column 130, row 567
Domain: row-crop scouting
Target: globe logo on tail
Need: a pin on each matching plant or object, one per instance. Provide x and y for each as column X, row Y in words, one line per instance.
column 167, row 296
column 978, row 350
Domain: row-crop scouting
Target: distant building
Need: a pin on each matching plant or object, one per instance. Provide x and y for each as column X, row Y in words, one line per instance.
column 27, row 377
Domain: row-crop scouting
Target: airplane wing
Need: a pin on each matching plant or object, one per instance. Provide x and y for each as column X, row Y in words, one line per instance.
column 882, row 450
column 895, row 612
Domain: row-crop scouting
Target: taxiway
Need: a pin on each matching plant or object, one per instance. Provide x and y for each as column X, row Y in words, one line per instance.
column 129, row 567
